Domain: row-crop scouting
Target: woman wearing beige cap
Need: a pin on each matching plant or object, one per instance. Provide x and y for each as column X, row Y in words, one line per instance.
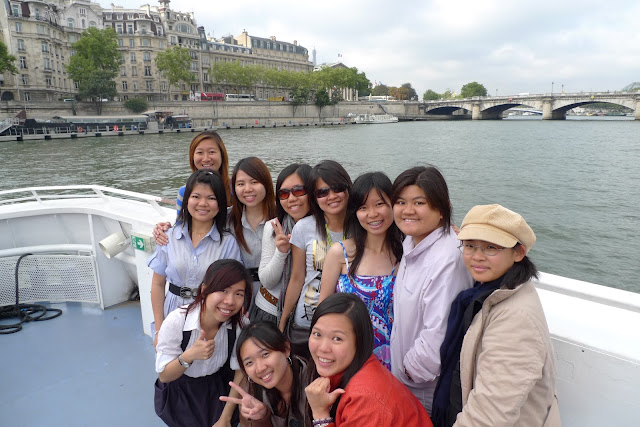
column 497, row 359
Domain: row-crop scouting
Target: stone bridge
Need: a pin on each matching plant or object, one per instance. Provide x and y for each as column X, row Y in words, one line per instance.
column 554, row 106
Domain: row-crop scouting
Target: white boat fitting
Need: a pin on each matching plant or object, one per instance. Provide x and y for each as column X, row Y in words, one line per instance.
column 594, row 328
column 375, row 119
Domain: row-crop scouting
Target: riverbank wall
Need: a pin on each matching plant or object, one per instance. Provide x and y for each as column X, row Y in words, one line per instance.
column 225, row 114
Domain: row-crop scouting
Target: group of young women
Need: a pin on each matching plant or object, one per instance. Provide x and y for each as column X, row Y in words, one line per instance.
column 346, row 303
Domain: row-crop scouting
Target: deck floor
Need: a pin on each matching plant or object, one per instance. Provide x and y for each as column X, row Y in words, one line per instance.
column 88, row 367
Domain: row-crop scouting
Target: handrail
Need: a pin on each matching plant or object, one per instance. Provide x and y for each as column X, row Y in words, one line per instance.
column 98, row 190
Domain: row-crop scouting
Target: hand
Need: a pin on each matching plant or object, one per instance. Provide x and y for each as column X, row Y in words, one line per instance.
column 201, row 349
column 159, row 233
column 282, row 240
column 250, row 407
column 319, row 397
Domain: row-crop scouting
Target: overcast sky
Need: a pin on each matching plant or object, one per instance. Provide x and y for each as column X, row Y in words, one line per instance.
column 509, row 46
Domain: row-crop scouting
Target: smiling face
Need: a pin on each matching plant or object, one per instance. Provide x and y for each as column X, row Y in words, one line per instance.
column 202, row 204
column 250, row 191
column 207, row 155
column 413, row 215
column 375, row 215
column 485, row 268
column 222, row 305
column 296, row 207
column 266, row 367
column 332, row 344
column 334, row 203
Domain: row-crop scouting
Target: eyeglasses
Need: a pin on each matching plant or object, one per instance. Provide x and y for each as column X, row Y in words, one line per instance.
column 323, row 192
column 489, row 250
column 296, row 190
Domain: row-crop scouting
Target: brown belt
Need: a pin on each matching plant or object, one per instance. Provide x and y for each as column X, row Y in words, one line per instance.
column 267, row 295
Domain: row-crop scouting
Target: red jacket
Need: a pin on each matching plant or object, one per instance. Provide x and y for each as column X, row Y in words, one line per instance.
column 374, row 397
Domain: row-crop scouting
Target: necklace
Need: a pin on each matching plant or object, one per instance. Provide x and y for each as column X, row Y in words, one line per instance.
column 329, row 239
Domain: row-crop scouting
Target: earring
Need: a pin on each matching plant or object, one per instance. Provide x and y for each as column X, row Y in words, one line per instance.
column 289, row 360
column 249, row 378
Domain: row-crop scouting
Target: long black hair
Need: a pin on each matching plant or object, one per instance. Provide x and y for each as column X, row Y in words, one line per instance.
column 268, row 336
column 303, row 171
column 214, row 180
column 356, row 311
column 333, row 174
column 520, row 272
column 434, row 186
column 353, row 229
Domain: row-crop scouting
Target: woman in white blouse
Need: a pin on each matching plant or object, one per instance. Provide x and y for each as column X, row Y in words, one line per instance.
column 194, row 355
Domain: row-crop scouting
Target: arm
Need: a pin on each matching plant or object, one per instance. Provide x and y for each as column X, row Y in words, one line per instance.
column 508, row 367
column 200, row 350
column 272, row 260
column 333, row 263
column 159, row 233
column 157, row 302
column 296, row 282
column 230, row 405
column 449, row 277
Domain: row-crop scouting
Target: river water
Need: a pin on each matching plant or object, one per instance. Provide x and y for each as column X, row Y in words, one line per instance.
column 576, row 181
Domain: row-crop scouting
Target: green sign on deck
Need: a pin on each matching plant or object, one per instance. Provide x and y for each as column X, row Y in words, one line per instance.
column 138, row 243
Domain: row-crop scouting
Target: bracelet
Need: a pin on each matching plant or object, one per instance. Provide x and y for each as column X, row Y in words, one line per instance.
column 322, row 422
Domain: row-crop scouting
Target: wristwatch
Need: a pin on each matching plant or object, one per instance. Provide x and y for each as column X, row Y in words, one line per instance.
column 183, row 362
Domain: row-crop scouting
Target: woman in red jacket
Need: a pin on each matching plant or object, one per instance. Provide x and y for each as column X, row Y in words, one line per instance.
column 352, row 387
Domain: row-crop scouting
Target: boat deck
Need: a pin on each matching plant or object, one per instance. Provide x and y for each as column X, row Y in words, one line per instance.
column 87, row 367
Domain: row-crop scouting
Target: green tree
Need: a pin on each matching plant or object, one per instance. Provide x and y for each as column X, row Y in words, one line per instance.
column 473, row 89
column 136, row 105
column 380, row 90
column 7, row 61
column 431, row 95
column 448, row 94
column 95, row 64
column 174, row 64
column 322, row 99
column 399, row 93
column 411, row 92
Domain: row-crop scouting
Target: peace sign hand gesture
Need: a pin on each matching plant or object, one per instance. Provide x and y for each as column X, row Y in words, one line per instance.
column 250, row 407
column 282, row 240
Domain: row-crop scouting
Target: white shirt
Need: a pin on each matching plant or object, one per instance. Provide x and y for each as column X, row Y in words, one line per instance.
column 170, row 339
column 271, row 269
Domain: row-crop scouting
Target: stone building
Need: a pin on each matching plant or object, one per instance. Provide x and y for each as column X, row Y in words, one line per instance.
column 40, row 34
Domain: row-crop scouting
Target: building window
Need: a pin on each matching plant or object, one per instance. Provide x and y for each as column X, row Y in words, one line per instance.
column 119, row 28
column 23, row 62
column 84, row 25
column 147, row 57
column 120, row 43
column 16, row 10
column 149, row 97
column 163, row 85
column 18, row 27
column 119, row 16
column 129, row 28
column 45, row 47
column 133, row 56
column 130, row 15
column 134, row 71
column 135, row 85
column 123, row 71
column 27, row 96
column 192, row 54
column 25, row 79
column 92, row 24
column 40, row 29
column 147, row 70
column 132, row 42
column 47, row 81
column 205, row 77
column 47, row 64
column 124, row 85
column 83, row 11
column 160, row 43
column 108, row 16
column 145, row 42
column 72, row 38
column 71, row 23
column 149, row 85
column 20, row 44
column 126, row 97
column 76, row 85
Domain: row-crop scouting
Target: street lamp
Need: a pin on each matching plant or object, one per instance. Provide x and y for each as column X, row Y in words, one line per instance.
column 551, row 88
column 562, row 91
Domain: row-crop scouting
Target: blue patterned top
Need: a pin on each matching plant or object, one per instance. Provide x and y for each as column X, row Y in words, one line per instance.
column 377, row 294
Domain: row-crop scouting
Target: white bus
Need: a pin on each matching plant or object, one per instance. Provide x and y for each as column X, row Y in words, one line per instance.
column 239, row 97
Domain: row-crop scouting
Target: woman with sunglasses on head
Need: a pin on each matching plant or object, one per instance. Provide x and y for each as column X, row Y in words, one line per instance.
column 206, row 151
column 253, row 204
column 430, row 275
column 197, row 239
column 310, row 239
column 274, row 395
column 365, row 263
column 351, row 387
column 498, row 365
column 194, row 358
column 292, row 204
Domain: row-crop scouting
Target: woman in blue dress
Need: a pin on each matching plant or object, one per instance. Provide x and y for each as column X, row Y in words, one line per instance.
column 365, row 263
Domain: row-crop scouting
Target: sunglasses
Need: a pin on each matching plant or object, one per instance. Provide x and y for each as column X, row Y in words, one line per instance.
column 296, row 190
column 324, row 191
